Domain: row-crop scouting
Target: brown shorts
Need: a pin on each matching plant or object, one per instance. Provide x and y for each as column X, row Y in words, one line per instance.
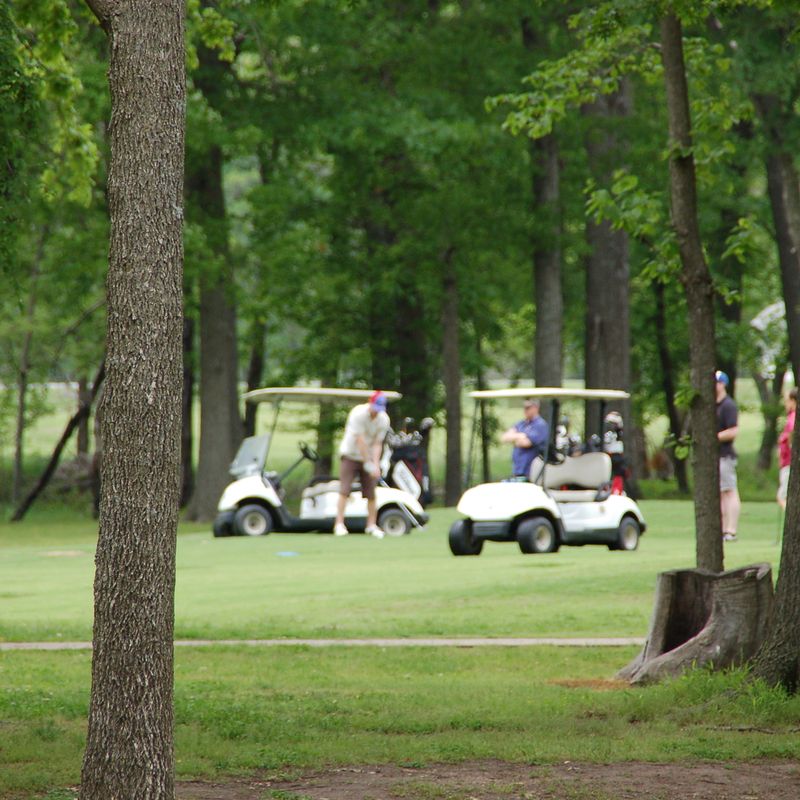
column 348, row 470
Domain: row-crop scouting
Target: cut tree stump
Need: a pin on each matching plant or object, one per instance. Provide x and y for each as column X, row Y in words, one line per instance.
column 702, row 617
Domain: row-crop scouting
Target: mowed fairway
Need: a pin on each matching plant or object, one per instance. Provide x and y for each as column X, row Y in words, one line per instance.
column 270, row 711
column 318, row 586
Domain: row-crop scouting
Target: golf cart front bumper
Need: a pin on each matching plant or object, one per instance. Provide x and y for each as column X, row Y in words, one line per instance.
column 223, row 524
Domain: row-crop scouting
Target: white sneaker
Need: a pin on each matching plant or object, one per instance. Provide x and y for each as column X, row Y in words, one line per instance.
column 375, row 531
column 340, row 529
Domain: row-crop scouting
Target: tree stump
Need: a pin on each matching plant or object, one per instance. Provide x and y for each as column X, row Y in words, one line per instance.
column 702, row 617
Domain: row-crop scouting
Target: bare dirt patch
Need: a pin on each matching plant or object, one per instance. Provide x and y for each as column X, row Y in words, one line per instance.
column 496, row 780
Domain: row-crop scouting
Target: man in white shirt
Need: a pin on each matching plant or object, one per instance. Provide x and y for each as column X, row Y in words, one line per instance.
column 360, row 451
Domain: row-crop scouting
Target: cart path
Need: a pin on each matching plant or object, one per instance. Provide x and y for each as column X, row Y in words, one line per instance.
column 593, row 641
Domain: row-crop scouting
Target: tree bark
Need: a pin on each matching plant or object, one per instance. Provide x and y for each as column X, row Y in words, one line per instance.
column 255, row 372
column 187, row 414
column 451, row 375
column 129, row 750
column 608, row 342
column 548, row 294
column 699, row 290
column 778, row 661
column 220, row 422
column 701, row 617
column 783, row 183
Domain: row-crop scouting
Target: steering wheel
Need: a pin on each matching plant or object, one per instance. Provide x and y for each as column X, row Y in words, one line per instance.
column 308, row 452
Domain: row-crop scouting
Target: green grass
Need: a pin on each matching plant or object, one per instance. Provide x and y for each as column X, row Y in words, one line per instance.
column 241, row 709
column 309, row 585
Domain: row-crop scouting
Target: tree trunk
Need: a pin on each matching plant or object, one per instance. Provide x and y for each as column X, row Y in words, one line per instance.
column 548, row 295
column 451, row 375
column 769, row 393
column 255, row 372
column 187, row 414
column 699, row 290
column 77, row 420
column 783, row 182
column 23, row 370
column 220, row 422
column 82, row 437
column 675, row 418
column 701, row 617
column 607, row 344
column 778, row 661
column 129, row 749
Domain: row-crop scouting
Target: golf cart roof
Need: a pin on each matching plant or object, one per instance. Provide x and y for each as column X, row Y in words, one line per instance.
column 545, row 393
column 311, row 394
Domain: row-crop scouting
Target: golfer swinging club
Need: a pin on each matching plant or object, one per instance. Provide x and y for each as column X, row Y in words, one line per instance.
column 360, row 451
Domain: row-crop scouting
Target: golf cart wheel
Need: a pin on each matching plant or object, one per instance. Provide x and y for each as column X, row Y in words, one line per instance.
column 537, row 535
column 252, row 520
column 462, row 542
column 627, row 535
column 393, row 522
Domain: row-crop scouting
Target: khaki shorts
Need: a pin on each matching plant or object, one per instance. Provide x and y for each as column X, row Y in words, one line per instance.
column 783, row 483
column 350, row 468
column 727, row 474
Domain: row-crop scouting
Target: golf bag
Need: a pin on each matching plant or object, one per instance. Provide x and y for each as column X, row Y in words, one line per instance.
column 408, row 462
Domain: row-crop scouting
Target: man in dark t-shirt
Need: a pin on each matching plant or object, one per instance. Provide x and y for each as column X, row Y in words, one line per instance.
column 727, row 428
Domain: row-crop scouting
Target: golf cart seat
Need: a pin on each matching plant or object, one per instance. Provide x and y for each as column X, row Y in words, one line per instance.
column 322, row 487
column 576, row 479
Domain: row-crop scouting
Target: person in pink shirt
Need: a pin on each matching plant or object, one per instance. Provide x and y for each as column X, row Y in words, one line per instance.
column 785, row 446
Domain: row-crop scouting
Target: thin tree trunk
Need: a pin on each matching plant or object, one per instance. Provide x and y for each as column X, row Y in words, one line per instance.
column 668, row 385
column 187, row 414
column 75, row 421
column 255, row 372
column 699, row 290
column 783, row 183
column 82, row 438
column 220, row 422
column 451, row 375
column 23, row 370
column 548, row 294
column 130, row 743
column 769, row 393
column 485, row 423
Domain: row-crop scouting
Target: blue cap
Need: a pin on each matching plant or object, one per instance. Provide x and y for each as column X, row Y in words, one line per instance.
column 722, row 378
column 378, row 401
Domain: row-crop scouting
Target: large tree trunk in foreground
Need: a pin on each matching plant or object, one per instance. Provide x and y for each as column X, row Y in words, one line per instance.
column 699, row 289
column 778, row 662
column 129, row 748
column 701, row 618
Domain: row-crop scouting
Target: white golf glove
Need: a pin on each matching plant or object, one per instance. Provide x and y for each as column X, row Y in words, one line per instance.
column 370, row 469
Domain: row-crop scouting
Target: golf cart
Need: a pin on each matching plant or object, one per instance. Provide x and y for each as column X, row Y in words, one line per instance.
column 566, row 499
column 253, row 504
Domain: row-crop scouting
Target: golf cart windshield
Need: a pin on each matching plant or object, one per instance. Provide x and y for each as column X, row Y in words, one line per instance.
column 250, row 457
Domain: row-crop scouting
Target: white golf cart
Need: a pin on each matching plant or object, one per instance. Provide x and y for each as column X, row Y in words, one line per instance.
column 566, row 499
column 253, row 504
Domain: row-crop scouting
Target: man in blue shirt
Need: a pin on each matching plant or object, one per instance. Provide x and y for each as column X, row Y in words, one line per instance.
column 529, row 437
